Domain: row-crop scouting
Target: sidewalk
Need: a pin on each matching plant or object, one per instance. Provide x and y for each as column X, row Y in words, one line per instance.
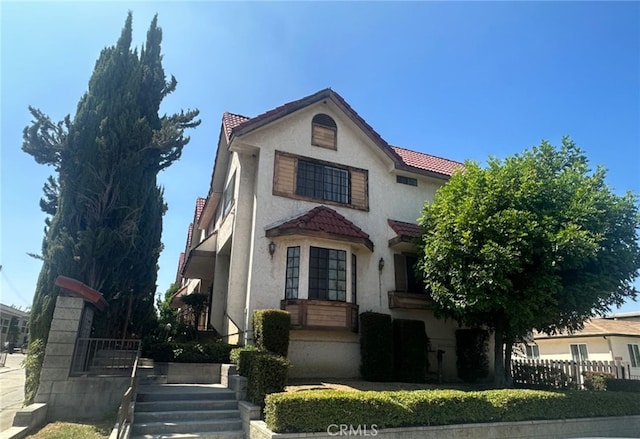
column 11, row 389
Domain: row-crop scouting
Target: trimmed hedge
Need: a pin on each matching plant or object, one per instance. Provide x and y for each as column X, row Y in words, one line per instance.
column 471, row 353
column 271, row 330
column 618, row 385
column 376, row 347
column 313, row 410
column 410, row 342
column 191, row 352
column 242, row 357
column 267, row 374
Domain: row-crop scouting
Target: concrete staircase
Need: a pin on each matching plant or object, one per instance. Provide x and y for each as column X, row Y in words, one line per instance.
column 186, row 411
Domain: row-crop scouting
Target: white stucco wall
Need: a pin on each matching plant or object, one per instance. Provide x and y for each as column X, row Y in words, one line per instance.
column 264, row 276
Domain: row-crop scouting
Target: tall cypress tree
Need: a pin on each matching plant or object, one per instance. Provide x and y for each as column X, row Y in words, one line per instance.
column 105, row 204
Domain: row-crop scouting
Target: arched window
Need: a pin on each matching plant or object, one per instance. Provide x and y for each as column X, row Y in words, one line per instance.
column 324, row 131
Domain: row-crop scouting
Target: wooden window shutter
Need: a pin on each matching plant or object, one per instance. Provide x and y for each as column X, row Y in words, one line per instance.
column 400, row 267
column 360, row 189
column 284, row 174
column 323, row 136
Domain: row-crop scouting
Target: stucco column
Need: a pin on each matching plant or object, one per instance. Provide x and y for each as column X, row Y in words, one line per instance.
column 240, row 261
column 69, row 317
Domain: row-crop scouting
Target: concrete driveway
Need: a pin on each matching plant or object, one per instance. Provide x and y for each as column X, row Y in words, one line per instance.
column 11, row 389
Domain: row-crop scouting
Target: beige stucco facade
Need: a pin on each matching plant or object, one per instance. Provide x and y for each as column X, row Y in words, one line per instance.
column 601, row 347
column 242, row 207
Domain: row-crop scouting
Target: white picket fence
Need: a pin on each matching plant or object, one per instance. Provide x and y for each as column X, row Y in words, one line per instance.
column 563, row 374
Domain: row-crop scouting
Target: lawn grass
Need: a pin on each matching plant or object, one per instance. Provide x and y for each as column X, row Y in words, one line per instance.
column 100, row 429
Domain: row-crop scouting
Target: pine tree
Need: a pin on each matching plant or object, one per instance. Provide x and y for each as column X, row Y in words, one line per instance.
column 105, row 204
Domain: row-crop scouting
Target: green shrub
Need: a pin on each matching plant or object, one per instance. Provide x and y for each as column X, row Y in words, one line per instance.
column 471, row 353
column 271, row 330
column 191, row 352
column 242, row 357
column 267, row 374
column 161, row 351
column 596, row 380
column 313, row 411
column 33, row 367
column 376, row 347
column 618, row 385
column 411, row 344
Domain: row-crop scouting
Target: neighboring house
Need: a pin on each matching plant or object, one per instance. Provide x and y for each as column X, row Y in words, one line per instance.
column 311, row 211
column 600, row 340
column 15, row 325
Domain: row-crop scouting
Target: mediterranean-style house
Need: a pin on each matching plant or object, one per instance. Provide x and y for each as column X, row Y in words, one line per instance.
column 309, row 210
column 604, row 339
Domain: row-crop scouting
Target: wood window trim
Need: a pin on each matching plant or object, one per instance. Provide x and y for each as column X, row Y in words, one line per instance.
column 285, row 180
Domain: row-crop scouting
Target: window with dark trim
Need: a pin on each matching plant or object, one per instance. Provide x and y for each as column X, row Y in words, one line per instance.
column 322, row 182
column 227, row 196
column 293, row 273
column 533, row 352
column 306, row 178
column 324, row 131
column 406, row 180
column 407, row 280
column 579, row 352
column 634, row 354
column 327, row 274
column 354, row 279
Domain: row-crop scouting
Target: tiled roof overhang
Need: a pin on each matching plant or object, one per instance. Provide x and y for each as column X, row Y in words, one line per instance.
column 322, row 222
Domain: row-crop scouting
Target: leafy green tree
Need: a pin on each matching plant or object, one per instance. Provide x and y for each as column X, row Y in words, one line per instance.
column 535, row 242
column 196, row 304
column 105, row 205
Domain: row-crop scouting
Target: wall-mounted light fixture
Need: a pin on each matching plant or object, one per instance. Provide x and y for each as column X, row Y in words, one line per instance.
column 272, row 248
column 380, row 264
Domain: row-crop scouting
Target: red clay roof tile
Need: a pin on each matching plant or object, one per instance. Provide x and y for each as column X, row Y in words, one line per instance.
column 412, row 159
column 230, row 121
column 404, row 229
column 427, row 162
column 322, row 219
column 199, row 207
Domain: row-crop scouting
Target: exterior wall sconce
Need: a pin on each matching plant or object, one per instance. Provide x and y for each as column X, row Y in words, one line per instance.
column 272, row 248
column 380, row 264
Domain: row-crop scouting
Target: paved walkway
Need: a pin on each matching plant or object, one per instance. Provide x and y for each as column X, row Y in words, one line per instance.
column 11, row 389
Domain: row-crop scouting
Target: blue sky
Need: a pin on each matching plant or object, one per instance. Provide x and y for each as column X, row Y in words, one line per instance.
column 462, row 80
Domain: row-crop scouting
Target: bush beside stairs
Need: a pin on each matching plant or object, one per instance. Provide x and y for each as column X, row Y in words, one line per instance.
column 170, row 411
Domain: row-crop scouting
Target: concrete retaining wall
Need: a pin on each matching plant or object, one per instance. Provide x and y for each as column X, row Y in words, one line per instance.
column 623, row 426
column 189, row 373
column 86, row 397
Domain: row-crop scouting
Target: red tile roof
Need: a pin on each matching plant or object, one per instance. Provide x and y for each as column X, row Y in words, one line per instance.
column 323, row 220
column 404, row 229
column 180, row 263
column 199, row 207
column 404, row 158
column 230, row 121
column 427, row 162
column 189, row 237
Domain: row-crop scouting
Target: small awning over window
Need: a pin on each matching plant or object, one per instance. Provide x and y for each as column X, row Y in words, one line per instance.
column 322, row 222
column 201, row 259
column 406, row 235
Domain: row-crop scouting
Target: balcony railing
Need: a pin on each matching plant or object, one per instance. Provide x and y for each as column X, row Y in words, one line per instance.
column 321, row 314
column 401, row 300
column 104, row 356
